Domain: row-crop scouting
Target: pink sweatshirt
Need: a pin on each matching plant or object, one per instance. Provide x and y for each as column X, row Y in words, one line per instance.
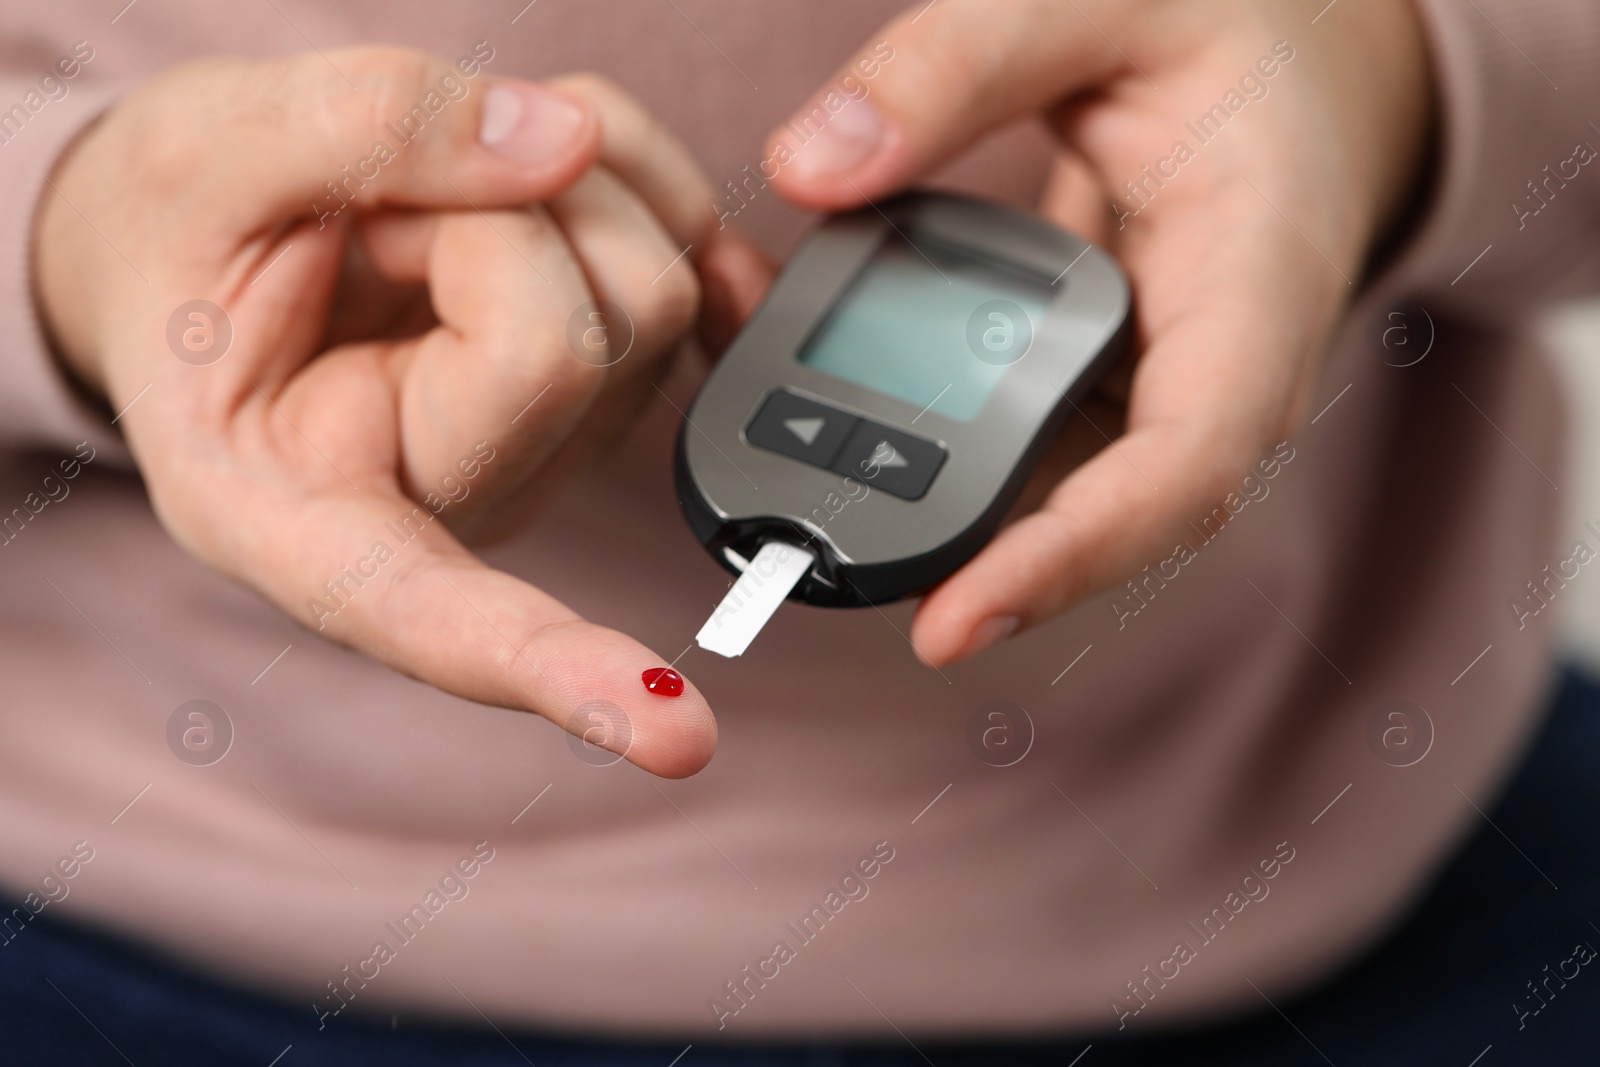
column 1211, row 792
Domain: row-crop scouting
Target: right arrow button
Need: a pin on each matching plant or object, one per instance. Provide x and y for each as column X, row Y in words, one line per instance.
column 892, row 460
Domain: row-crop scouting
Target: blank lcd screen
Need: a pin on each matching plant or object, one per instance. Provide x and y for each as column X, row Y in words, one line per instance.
column 914, row 324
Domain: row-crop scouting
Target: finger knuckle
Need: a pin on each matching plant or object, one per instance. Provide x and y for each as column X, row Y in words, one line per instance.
column 526, row 646
column 391, row 82
column 949, row 49
column 670, row 304
column 625, row 120
column 597, row 88
column 382, row 68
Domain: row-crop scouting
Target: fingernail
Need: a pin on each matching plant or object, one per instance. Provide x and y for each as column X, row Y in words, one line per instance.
column 844, row 141
column 990, row 632
column 528, row 123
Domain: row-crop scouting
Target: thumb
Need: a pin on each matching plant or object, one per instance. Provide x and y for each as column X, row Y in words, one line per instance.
column 315, row 134
column 927, row 85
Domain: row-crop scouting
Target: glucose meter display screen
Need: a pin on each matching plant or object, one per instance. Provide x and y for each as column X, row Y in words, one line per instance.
column 931, row 324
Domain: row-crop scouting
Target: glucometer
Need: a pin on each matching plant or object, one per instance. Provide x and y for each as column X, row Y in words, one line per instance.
column 866, row 431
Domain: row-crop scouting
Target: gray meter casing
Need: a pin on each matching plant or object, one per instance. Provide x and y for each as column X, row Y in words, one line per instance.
column 951, row 479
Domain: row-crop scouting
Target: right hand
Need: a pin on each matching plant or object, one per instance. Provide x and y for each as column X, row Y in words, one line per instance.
column 325, row 426
column 1243, row 250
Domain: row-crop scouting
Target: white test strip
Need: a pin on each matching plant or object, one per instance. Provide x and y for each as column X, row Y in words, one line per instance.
column 754, row 598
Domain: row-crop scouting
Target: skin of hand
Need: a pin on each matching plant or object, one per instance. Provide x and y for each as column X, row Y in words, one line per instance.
column 385, row 356
column 1241, row 263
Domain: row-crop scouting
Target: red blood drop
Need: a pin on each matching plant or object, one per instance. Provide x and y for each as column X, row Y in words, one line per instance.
column 663, row 681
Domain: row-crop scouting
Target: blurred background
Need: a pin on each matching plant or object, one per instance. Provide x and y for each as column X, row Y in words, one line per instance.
column 1574, row 337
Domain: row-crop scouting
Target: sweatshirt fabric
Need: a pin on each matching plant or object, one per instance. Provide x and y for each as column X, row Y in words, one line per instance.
column 1217, row 790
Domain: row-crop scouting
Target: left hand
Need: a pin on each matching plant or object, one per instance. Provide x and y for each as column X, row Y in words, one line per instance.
column 388, row 364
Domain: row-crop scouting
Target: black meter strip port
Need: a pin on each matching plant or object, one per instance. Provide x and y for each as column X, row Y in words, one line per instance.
column 928, row 349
